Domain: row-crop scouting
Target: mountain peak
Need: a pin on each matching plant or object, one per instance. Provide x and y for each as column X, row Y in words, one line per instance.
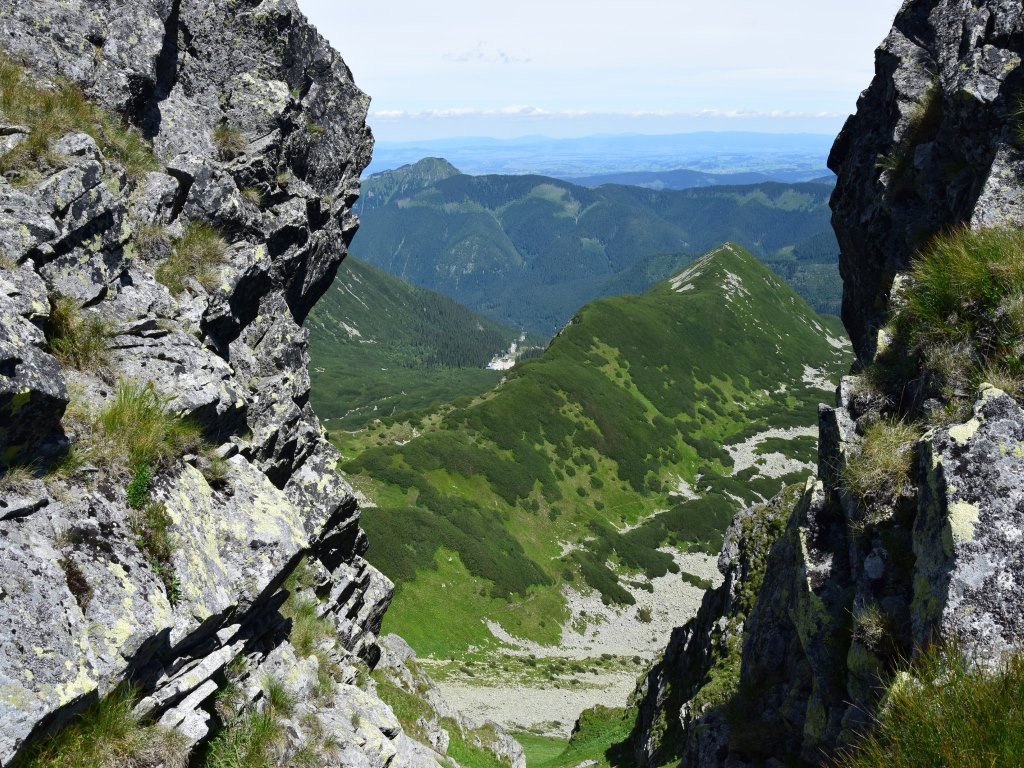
column 381, row 188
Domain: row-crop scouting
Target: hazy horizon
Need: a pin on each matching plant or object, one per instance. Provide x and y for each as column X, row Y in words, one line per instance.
column 573, row 69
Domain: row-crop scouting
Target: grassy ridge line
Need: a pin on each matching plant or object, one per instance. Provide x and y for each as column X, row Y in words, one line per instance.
column 380, row 347
column 553, row 478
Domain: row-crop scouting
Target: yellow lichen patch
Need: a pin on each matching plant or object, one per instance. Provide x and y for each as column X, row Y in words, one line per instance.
column 962, row 518
column 961, row 433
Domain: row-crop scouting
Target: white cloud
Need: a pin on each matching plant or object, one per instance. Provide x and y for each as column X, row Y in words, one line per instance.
column 483, row 54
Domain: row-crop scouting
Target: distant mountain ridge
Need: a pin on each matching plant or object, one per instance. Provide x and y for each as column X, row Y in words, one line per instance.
column 530, row 250
column 687, row 178
column 708, row 151
column 581, row 453
column 380, row 346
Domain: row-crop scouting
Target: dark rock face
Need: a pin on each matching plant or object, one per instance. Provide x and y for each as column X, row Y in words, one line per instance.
column 259, row 133
column 933, row 145
column 683, row 701
column 854, row 585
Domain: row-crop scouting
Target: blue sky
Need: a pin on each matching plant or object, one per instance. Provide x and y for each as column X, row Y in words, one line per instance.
column 571, row 68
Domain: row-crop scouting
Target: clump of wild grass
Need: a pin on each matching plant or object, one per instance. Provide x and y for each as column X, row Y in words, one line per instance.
column 253, row 195
column 256, row 738
column 873, row 628
column 311, row 634
column 229, row 141
column 882, row 470
column 960, row 323
column 16, row 479
column 968, row 286
column 947, row 711
column 152, row 240
column 137, row 430
column 194, row 256
column 108, row 735
column 77, row 339
column 152, row 528
column 51, row 113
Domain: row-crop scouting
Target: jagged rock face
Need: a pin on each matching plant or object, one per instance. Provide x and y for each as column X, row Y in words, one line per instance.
column 855, row 585
column 82, row 606
column 682, row 701
column 967, row 576
column 934, row 144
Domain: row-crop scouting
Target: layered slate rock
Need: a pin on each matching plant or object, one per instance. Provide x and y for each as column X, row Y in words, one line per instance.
column 84, row 605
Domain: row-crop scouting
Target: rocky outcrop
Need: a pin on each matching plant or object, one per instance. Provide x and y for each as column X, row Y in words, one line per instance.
column 855, row 584
column 934, row 143
column 682, row 703
column 179, row 576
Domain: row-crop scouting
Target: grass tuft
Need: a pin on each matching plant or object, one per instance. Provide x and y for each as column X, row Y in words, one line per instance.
column 947, row 712
column 108, row 735
column 152, row 529
column 882, row 469
column 229, row 141
column 194, row 256
column 311, row 634
column 138, row 430
column 76, row 340
column 51, row 113
column 256, row 738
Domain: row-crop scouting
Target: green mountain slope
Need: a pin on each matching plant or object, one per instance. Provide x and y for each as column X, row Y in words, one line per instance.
column 381, row 347
column 530, row 250
column 663, row 402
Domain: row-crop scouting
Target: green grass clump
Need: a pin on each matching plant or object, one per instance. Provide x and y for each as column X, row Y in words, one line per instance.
column 76, row 340
column 229, row 141
column 947, row 712
column 883, row 468
column 968, row 289
column 108, row 735
column 152, row 529
column 257, row 737
column 137, row 429
column 311, row 634
column 51, row 113
column 194, row 256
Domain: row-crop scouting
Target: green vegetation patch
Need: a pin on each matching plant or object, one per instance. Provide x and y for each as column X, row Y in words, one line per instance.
column 555, row 477
column 50, row 113
column 108, row 733
column 136, row 429
column 75, row 338
column 383, row 349
column 946, row 711
column 597, row 736
column 195, row 255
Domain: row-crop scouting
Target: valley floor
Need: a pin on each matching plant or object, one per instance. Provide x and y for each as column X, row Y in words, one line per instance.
column 525, row 686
